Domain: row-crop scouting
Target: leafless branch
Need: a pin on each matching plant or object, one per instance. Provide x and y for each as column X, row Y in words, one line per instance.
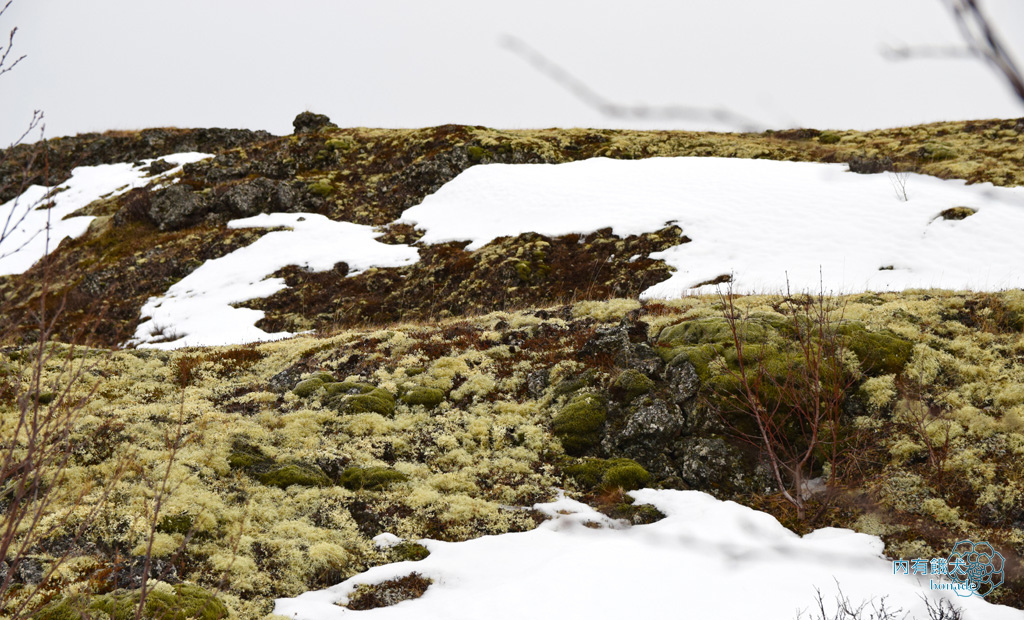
column 582, row 91
column 5, row 63
column 980, row 41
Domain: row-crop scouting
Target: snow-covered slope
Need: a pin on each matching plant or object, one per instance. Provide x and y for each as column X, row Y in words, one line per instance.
column 707, row 559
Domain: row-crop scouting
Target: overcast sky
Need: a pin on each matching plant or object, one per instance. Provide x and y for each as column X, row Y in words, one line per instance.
column 130, row 64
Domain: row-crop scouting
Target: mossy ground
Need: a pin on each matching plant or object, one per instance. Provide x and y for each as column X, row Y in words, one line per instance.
column 479, row 352
column 451, row 471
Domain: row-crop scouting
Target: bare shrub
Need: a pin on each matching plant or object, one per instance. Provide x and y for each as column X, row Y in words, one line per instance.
column 789, row 395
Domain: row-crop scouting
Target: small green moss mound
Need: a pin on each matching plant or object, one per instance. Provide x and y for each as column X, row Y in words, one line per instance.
column 828, row 137
column 287, row 474
column 879, row 354
column 184, row 602
column 957, row 213
column 348, row 387
column 476, row 153
column 175, row 524
column 632, row 383
column 603, row 474
column 409, row 552
column 428, row 397
column 369, row 478
column 305, row 389
column 626, row 476
column 578, row 425
column 378, row 400
column 322, row 188
column 245, row 455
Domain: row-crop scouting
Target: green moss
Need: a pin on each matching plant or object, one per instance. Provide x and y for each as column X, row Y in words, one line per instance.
column 700, row 356
column 409, row 552
column 428, row 397
column 476, row 153
column 285, row 475
column 305, row 389
column 347, row 387
column 678, row 338
column 245, row 455
column 184, row 602
column 67, row 608
column 523, row 271
column 626, row 476
column 600, row 474
column 369, row 478
column 828, row 137
column 175, row 524
column 322, row 189
column 632, row 383
column 578, row 425
column 879, row 354
column 378, row 400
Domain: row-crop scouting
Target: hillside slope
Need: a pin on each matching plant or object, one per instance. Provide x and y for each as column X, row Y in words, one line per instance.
column 444, row 398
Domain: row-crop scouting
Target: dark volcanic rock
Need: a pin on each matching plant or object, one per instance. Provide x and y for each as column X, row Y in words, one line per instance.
column 176, row 207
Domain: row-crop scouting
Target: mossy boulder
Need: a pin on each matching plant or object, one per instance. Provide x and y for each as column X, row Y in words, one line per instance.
column 425, row 396
column 183, row 602
column 630, row 384
column 305, row 389
column 377, row 400
column 579, row 424
column 879, row 353
column 602, row 474
column 285, row 475
column 370, row 478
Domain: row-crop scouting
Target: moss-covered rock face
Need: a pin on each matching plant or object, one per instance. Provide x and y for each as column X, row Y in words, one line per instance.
column 632, row 383
column 579, row 424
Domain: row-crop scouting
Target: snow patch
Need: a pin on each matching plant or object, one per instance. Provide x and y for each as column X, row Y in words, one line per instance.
column 707, row 559
column 762, row 221
column 24, row 224
column 198, row 310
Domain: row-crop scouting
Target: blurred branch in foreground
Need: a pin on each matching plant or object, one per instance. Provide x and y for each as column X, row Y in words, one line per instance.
column 592, row 98
column 980, row 39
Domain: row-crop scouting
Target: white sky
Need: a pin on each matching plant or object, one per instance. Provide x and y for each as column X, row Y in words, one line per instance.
column 126, row 64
